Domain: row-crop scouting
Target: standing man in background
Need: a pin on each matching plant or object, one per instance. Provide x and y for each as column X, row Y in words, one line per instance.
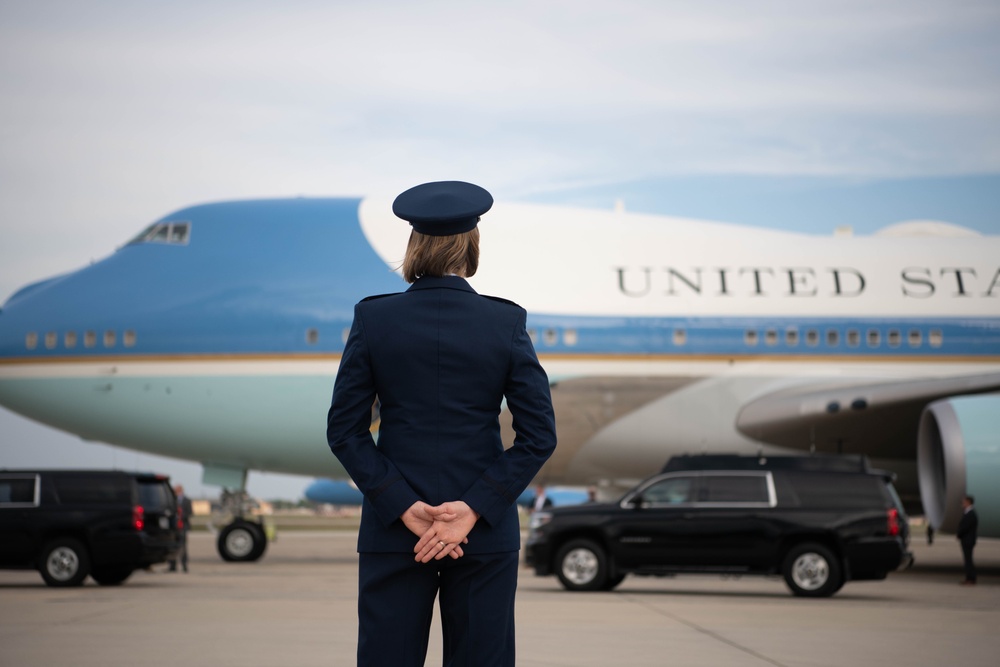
column 541, row 500
column 183, row 525
column 968, row 528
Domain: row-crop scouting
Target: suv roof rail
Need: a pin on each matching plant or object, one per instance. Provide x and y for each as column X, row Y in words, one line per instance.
column 824, row 462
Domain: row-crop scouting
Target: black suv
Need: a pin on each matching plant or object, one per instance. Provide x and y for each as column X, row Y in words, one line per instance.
column 71, row 523
column 818, row 521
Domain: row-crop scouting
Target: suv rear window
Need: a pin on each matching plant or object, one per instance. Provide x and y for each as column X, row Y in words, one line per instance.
column 93, row 489
column 154, row 494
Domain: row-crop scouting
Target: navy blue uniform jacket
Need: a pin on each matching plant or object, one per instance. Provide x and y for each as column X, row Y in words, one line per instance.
column 968, row 527
column 440, row 358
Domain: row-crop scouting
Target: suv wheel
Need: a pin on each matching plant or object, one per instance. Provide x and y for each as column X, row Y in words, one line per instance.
column 582, row 565
column 64, row 562
column 811, row 570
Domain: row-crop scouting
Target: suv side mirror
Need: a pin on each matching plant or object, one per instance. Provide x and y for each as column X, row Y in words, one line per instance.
column 635, row 502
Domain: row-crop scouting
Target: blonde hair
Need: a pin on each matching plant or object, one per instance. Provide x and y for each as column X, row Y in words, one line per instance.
column 440, row 255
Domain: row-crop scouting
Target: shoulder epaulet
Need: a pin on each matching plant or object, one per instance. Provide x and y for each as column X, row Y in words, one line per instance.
column 496, row 298
column 379, row 296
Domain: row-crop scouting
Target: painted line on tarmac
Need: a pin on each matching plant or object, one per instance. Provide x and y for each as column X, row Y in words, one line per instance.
column 705, row 631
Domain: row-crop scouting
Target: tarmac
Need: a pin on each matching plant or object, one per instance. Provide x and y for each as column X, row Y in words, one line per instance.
column 297, row 606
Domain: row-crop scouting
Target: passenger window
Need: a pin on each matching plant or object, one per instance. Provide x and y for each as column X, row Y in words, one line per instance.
column 570, row 337
column 19, row 490
column 873, row 338
column 771, row 337
column 812, row 337
column 312, row 336
column 791, row 337
column 750, row 337
column 31, row 340
column 672, row 491
column 853, row 338
column 832, row 337
column 51, row 339
column 551, row 336
column 89, row 339
column 914, row 338
column 680, row 336
column 734, row 489
column 109, row 338
column 894, row 338
column 128, row 338
column 69, row 340
column 935, row 338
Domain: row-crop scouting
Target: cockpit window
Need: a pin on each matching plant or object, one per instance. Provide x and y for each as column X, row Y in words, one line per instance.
column 177, row 233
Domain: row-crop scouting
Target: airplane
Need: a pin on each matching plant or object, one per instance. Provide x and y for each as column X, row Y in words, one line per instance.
column 345, row 493
column 214, row 335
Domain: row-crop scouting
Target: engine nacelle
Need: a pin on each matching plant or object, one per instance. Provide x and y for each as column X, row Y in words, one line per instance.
column 958, row 453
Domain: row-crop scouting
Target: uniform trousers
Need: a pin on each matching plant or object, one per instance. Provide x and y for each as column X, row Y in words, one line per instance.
column 970, row 566
column 396, row 604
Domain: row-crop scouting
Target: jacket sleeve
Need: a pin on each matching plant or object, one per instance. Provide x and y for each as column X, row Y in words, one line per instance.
column 530, row 403
column 348, row 431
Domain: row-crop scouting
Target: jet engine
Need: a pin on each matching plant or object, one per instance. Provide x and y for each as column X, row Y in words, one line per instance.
column 958, row 453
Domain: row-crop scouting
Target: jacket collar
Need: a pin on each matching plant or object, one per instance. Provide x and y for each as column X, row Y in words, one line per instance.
column 445, row 282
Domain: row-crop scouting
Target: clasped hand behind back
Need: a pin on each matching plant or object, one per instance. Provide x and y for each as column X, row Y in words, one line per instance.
column 442, row 529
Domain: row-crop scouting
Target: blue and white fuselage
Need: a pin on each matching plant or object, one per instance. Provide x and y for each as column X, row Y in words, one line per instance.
column 216, row 334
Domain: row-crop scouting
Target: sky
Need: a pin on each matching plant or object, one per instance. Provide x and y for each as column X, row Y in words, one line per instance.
column 788, row 114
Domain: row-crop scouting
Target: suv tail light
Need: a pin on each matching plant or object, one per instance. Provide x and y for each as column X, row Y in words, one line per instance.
column 138, row 517
column 892, row 522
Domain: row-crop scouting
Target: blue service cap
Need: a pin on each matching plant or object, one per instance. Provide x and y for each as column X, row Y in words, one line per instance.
column 443, row 208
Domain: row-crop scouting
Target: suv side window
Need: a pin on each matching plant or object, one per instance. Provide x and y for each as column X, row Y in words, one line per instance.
column 88, row 489
column 839, row 490
column 752, row 489
column 670, row 491
column 18, row 490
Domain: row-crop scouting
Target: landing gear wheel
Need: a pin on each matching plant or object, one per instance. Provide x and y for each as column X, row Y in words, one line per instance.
column 64, row 562
column 811, row 570
column 111, row 576
column 242, row 541
column 582, row 565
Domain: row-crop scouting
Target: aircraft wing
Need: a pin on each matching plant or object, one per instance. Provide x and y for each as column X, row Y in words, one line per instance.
column 878, row 419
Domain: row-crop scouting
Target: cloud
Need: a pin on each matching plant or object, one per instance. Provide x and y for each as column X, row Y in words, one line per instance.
column 116, row 112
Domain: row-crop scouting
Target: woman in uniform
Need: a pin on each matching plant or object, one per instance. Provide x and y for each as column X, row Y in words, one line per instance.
column 439, row 515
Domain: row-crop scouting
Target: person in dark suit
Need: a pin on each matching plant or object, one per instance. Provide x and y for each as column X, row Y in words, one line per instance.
column 439, row 515
column 968, row 528
column 540, row 501
column 183, row 525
